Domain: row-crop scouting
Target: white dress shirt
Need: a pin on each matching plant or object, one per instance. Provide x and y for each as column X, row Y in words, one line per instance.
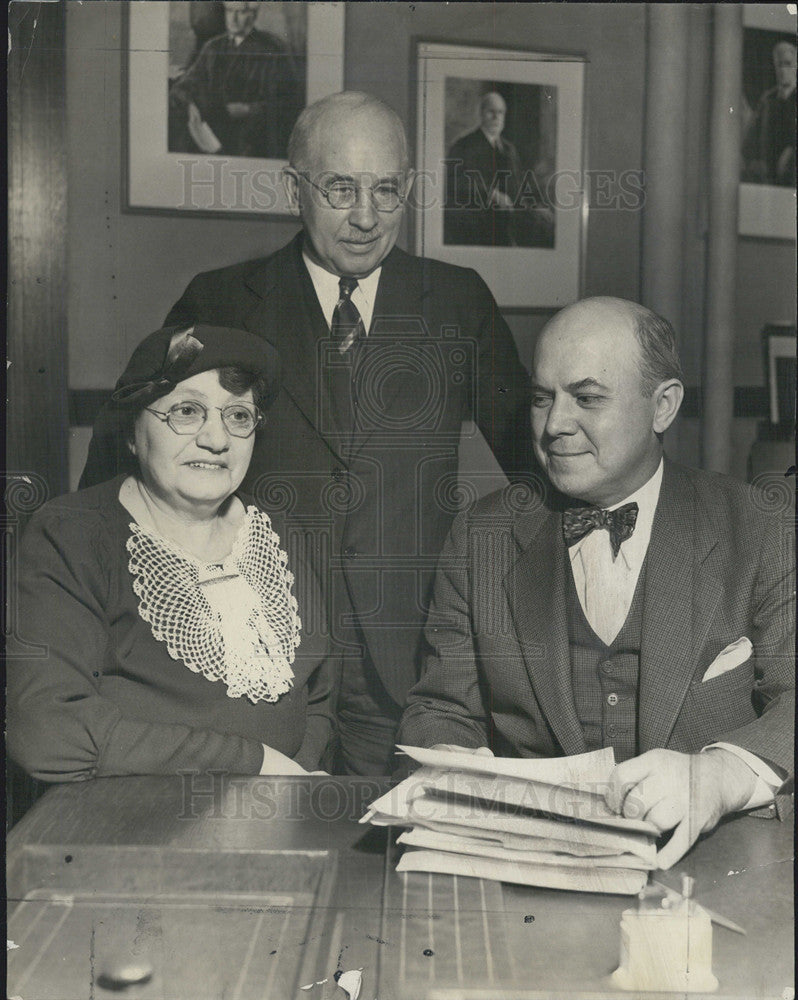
column 328, row 292
column 606, row 587
column 493, row 140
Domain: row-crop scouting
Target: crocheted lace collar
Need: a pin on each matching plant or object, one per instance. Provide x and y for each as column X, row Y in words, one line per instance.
column 234, row 621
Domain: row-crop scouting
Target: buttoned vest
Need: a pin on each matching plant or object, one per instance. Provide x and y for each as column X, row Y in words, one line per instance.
column 605, row 678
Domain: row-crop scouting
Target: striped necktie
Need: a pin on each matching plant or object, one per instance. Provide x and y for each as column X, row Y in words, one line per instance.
column 347, row 323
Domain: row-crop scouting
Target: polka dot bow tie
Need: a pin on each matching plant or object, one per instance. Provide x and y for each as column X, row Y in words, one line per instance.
column 580, row 521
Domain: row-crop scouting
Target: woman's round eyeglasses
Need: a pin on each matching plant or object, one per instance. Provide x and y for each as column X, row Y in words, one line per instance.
column 239, row 419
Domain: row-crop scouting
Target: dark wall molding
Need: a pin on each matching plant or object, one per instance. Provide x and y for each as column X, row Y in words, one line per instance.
column 750, row 401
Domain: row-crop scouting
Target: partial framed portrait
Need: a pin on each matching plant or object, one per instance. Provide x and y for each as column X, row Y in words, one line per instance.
column 780, row 355
column 767, row 156
column 212, row 91
column 500, row 161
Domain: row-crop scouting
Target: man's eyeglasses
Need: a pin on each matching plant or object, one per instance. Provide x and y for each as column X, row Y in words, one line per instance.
column 239, row 419
column 343, row 193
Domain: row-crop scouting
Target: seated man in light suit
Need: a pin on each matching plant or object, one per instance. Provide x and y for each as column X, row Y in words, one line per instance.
column 632, row 603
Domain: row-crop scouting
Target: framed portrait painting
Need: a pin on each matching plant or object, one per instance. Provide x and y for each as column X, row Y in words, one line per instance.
column 767, row 162
column 211, row 93
column 780, row 355
column 500, row 162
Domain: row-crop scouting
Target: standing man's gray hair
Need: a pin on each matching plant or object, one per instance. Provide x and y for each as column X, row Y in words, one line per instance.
column 345, row 103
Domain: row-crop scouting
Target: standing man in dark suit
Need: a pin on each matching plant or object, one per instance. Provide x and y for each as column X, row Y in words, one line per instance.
column 482, row 180
column 628, row 603
column 384, row 356
column 488, row 200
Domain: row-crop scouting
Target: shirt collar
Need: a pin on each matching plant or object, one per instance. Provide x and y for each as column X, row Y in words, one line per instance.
column 327, row 291
column 634, row 548
column 238, row 40
column 648, row 494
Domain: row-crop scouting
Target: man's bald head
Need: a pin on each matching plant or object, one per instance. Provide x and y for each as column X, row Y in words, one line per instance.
column 597, row 423
column 239, row 18
column 349, row 110
column 493, row 99
column 784, row 65
column 785, row 50
column 658, row 355
column 492, row 112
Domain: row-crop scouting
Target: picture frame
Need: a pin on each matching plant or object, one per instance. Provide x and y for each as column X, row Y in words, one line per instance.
column 515, row 209
column 766, row 209
column 782, row 364
column 163, row 173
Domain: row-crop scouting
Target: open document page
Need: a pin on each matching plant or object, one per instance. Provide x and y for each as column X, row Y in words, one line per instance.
column 583, row 768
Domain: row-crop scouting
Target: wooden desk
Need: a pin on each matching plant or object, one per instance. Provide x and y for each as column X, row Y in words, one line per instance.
column 253, row 887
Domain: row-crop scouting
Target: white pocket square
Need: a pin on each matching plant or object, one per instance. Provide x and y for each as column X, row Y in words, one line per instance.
column 729, row 658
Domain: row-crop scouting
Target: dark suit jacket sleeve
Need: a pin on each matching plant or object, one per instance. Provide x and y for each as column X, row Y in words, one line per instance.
column 187, row 309
column 108, row 454
column 447, row 705
column 771, row 736
column 503, row 387
column 515, row 168
column 208, row 298
column 319, row 717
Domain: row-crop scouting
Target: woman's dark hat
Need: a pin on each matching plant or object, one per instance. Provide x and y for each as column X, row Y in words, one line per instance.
column 173, row 354
column 158, row 365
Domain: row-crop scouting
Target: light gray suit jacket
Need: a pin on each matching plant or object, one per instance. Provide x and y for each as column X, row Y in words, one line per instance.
column 720, row 565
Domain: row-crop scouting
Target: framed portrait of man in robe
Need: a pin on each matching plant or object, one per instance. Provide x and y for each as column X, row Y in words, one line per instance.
column 767, row 106
column 212, row 91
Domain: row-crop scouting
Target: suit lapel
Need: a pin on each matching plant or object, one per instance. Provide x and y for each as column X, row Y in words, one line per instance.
column 536, row 594
column 288, row 314
column 681, row 595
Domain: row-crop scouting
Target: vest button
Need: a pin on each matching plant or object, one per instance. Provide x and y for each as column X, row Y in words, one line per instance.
column 612, row 699
column 606, row 668
column 349, row 552
column 338, row 473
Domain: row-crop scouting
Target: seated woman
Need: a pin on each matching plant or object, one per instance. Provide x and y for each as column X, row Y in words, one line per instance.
column 162, row 600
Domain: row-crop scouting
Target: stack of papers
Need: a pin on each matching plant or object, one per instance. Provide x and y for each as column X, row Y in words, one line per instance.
column 537, row 822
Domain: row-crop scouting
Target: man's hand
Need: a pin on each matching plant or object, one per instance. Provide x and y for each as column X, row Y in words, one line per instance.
column 686, row 793
column 500, row 200
column 194, row 116
column 239, row 109
column 200, row 132
column 785, row 165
